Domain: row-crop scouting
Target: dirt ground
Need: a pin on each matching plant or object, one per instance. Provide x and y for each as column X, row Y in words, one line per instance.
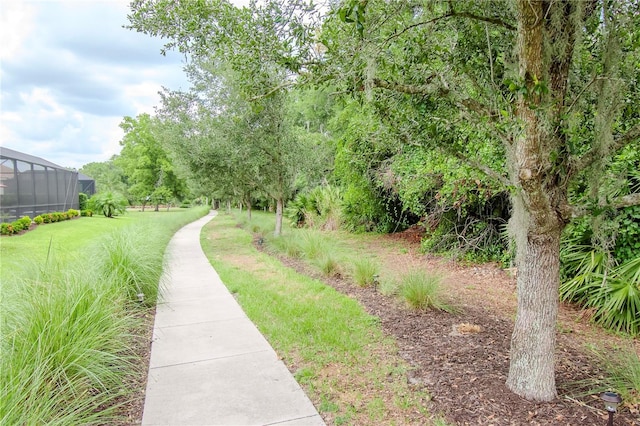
column 462, row 359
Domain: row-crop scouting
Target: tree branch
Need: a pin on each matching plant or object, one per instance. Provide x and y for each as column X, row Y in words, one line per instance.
column 574, row 212
column 273, row 90
column 619, row 142
column 626, row 201
column 494, row 21
column 424, row 89
column 450, row 14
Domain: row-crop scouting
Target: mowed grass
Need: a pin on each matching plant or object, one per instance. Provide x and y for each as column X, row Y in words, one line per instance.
column 336, row 350
column 70, row 314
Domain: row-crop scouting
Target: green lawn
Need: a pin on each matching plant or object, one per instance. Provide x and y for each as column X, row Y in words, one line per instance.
column 336, row 350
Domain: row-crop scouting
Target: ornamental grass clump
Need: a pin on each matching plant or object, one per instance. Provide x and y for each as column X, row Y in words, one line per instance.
column 313, row 244
column 423, row 291
column 132, row 259
column 365, row 272
column 328, row 265
column 65, row 348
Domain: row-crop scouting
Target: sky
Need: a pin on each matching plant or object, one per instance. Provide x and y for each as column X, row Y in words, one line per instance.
column 69, row 73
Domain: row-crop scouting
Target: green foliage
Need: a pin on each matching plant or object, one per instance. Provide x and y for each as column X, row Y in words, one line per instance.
column 6, row 229
column 146, row 163
column 108, row 175
column 86, row 213
column 612, row 294
column 15, row 227
column 423, row 291
column 319, row 208
column 628, row 236
column 38, row 220
column 365, row 272
column 109, row 203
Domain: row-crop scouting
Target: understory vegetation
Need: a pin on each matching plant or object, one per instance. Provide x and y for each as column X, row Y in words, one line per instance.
column 71, row 315
column 283, row 305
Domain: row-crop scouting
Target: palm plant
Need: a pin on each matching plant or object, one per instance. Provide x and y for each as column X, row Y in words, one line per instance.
column 108, row 203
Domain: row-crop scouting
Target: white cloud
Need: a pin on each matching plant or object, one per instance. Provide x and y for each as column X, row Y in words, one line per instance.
column 16, row 23
column 70, row 73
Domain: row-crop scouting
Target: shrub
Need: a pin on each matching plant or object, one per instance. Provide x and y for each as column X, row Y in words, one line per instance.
column 423, row 291
column 82, row 201
column 318, row 208
column 87, row 213
column 71, row 213
column 365, row 272
column 38, row 220
column 109, row 203
column 6, row 229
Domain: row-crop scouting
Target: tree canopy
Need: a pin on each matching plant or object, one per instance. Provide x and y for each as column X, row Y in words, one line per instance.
column 538, row 96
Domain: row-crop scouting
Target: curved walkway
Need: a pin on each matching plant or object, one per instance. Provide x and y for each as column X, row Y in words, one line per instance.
column 209, row 364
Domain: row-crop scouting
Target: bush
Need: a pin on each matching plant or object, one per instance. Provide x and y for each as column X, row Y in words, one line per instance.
column 38, row 220
column 71, row 213
column 423, row 291
column 86, row 213
column 109, row 203
column 6, row 229
column 82, row 201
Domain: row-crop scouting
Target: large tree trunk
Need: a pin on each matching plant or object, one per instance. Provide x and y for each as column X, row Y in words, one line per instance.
column 536, row 221
column 279, row 209
column 532, row 362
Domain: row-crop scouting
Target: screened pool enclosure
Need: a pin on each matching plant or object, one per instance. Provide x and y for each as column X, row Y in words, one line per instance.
column 30, row 186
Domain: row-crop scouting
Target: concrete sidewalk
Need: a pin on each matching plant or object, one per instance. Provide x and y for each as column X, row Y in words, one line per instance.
column 209, row 364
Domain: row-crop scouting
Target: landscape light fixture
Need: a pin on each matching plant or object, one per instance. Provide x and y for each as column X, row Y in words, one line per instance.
column 611, row 402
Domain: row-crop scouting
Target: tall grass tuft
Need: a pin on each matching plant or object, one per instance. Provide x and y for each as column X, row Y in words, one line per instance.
column 621, row 367
column 423, row 291
column 286, row 243
column 64, row 350
column 328, row 265
column 132, row 259
column 365, row 272
column 313, row 244
column 623, row 373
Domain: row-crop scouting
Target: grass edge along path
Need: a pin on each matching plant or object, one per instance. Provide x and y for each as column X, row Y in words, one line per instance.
column 73, row 338
column 337, row 352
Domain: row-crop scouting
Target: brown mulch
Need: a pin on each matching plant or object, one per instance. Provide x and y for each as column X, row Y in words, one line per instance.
column 462, row 359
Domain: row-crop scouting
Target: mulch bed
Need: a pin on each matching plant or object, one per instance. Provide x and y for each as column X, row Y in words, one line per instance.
column 465, row 372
